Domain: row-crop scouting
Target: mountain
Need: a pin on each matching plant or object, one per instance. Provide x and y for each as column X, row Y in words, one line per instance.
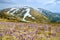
column 53, row 17
column 23, row 14
column 29, row 14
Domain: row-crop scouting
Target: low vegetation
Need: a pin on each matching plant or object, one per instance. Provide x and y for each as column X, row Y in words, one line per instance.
column 29, row 31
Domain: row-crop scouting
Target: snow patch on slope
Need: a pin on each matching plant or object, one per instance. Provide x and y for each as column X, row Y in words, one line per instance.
column 27, row 9
column 27, row 14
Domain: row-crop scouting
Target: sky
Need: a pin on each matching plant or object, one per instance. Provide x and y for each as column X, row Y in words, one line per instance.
column 51, row 5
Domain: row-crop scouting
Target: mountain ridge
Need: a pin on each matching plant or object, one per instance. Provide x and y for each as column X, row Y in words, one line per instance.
column 29, row 14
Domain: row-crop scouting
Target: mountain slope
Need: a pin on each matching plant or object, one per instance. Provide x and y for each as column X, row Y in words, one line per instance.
column 53, row 17
column 29, row 14
column 25, row 14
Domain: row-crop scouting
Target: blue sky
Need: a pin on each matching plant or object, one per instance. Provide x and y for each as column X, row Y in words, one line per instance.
column 52, row 5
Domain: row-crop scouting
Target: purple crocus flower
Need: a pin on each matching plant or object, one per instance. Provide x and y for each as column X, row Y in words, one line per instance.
column 57, row 29
column 0, row 35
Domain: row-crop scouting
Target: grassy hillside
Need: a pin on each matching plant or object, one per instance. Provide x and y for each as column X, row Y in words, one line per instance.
column 8, row 18
column 39, row 18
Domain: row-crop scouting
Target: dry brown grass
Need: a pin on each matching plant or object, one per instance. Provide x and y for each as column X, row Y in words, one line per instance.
column 29, row 31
